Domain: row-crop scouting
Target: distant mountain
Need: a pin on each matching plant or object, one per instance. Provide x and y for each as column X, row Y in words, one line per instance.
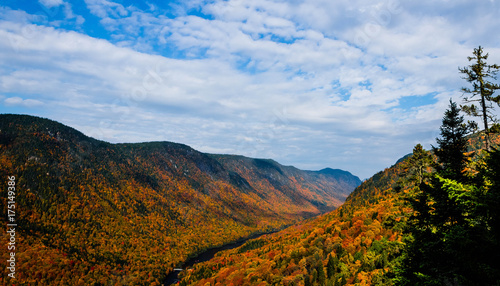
column 94, row 213
column 343, row 177
column 325, row 191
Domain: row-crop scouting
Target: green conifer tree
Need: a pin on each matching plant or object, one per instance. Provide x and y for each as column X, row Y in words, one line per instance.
column 321, row 274
column 479, row 75
column 330, row 266
column 452, row 145
column 416, row 167
column 490, row 209
column 452, row 228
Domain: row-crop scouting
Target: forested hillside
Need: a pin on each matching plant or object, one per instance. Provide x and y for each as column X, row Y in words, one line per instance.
column 94, row 213
column 353, row 244
column 364, row 242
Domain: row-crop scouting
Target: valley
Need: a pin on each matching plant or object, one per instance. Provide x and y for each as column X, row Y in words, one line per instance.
column 208, row 254
column 95, row 213
column 102, row 213
column 360, row 243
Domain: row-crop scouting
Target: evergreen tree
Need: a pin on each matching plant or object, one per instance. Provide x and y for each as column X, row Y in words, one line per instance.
column 447, row 244
column 490, row 206
column 452, row 239
column 307, row 281
column 321, row 273
column 418, row 164
column 492, row 200
column 418, row 228
column 314, row 275
column 330, row 266
column 479, row 74
column 452, row 145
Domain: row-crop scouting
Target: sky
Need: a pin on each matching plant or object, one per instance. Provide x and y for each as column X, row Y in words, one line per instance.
column 347, row 84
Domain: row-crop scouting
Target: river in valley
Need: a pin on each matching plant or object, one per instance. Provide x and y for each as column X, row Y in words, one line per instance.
column 207, row 255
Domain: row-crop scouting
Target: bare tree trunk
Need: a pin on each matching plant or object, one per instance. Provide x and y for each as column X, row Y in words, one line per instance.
column 485, row 118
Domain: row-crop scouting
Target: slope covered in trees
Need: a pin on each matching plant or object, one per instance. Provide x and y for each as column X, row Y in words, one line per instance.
column 364, row 242
column 95, row 213
column 353, row 244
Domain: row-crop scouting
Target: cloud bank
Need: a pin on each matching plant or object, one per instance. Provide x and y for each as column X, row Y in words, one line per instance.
column 345, row 84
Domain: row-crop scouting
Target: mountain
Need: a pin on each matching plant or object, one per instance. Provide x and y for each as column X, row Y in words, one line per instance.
column 95, row 213
column 323, row 189
column 360, row 243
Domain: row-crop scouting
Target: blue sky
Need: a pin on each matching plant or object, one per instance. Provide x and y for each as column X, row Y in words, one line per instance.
column 311, row 83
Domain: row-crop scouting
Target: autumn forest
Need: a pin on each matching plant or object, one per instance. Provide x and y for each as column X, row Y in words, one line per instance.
column 90, row 212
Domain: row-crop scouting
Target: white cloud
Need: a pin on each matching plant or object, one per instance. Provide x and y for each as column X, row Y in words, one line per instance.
column 17, row 101
column 311, row 83
column 105, row 9
column 51, row 3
